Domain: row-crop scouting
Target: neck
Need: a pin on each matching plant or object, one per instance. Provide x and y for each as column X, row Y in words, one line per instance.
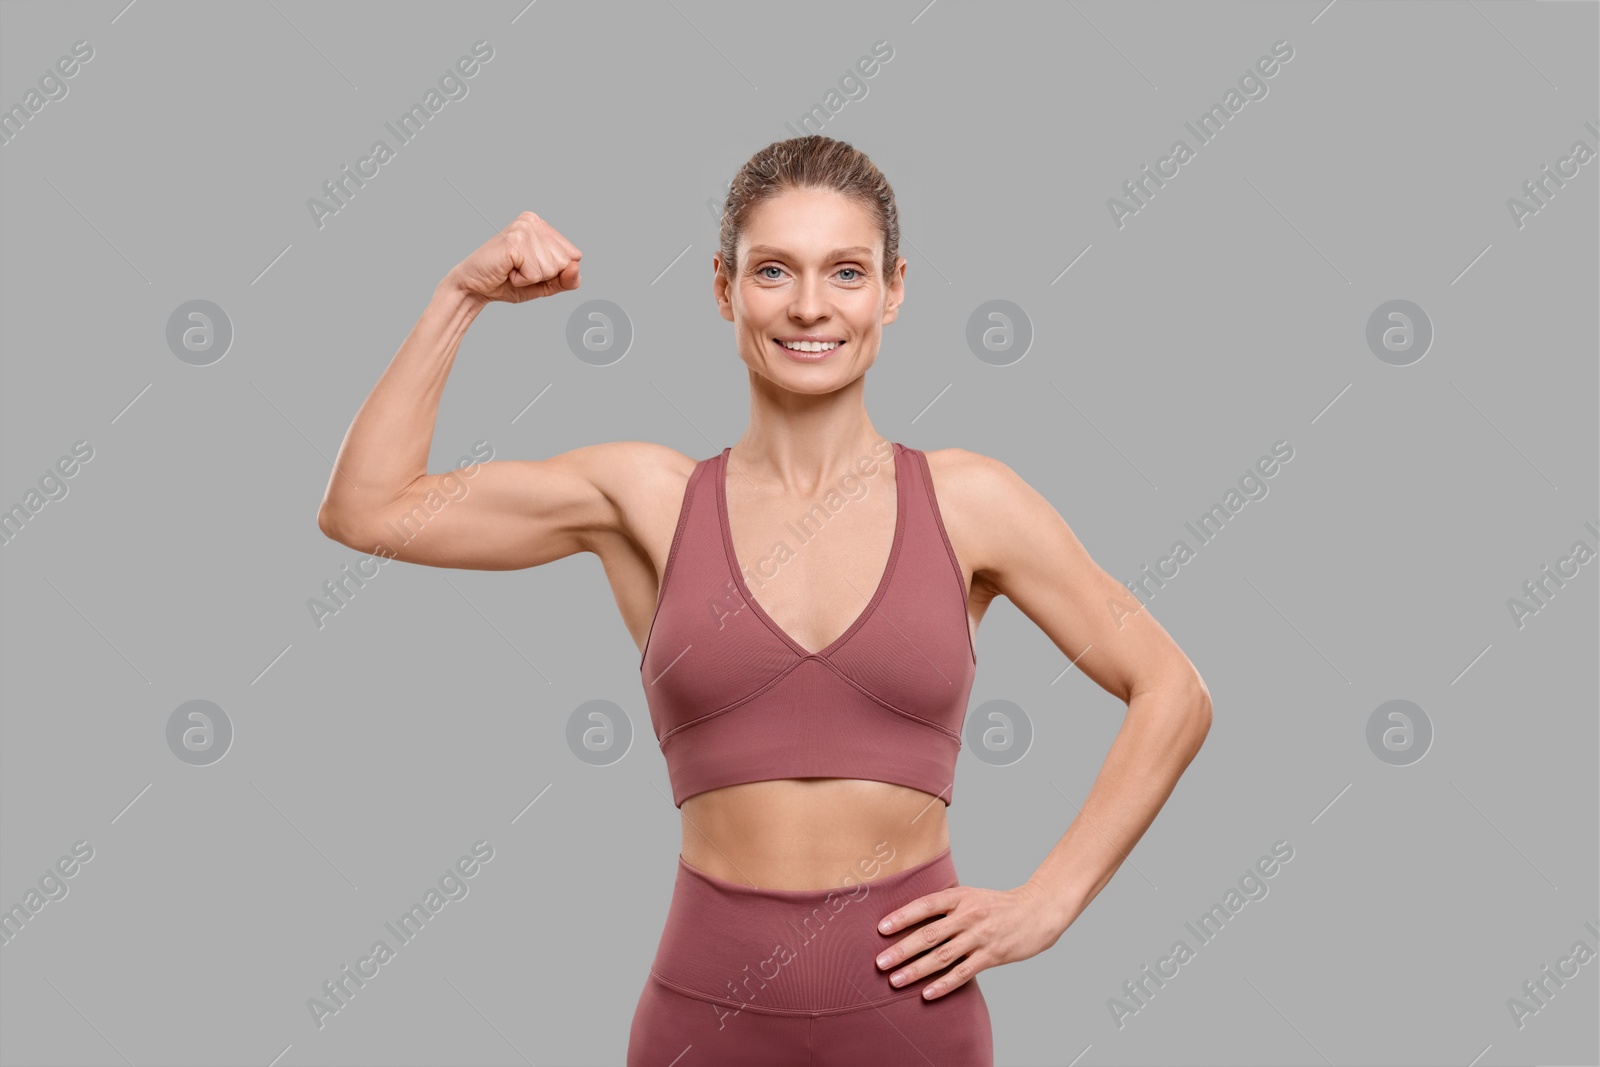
column 800, row 441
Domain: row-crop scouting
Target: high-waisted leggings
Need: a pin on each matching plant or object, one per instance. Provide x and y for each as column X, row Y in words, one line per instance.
column 788, row 978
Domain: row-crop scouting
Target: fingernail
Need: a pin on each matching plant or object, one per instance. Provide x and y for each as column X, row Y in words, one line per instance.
column 883, row 960
column 884, row 926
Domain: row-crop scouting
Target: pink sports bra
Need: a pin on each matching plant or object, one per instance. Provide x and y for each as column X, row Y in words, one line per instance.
column 733, row 698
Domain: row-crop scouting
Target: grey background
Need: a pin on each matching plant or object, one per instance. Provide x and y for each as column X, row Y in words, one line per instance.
column 1228, row 314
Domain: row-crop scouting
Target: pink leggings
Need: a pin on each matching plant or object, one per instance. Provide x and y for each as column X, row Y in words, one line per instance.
column 788, row 978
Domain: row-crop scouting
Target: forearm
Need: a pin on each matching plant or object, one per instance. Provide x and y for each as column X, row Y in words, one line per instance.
column 386, row 447
column 1162, row 731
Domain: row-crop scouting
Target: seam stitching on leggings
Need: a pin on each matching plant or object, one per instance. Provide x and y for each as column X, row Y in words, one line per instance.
column 695, row 994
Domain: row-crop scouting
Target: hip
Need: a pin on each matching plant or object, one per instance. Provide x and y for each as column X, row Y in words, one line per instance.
column 793, row 973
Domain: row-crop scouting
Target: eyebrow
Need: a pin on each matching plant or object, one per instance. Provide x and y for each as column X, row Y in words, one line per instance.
column 855, row 251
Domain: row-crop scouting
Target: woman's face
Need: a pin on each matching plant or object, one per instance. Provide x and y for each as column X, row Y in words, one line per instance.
column 810, row 266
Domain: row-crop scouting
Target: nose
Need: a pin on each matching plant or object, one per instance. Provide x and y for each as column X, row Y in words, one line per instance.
column 810, row 302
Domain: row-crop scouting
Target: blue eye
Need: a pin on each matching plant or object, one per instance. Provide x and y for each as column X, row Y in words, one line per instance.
column 761, row 272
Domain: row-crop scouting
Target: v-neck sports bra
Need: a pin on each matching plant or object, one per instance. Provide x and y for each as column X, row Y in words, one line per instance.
column 733, row 698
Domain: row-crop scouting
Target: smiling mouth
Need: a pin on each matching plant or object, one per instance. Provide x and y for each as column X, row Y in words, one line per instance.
column 807, row 348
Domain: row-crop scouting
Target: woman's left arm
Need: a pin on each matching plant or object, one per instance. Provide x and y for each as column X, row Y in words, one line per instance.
column 1020, row 547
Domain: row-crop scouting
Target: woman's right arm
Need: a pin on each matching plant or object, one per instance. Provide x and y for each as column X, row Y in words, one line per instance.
column 492, row 516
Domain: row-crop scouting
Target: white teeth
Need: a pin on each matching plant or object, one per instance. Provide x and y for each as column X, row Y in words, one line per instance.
column 810, row 346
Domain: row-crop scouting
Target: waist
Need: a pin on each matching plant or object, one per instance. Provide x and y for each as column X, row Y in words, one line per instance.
column 804, row 833
column 792, row 951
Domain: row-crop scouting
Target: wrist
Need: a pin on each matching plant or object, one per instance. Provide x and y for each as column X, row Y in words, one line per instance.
column 1054, row 905
column 456, row 292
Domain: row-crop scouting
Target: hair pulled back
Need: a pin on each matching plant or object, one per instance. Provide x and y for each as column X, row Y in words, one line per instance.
column 811, row 162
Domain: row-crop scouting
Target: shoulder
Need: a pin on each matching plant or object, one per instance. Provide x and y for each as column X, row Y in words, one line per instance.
column 986, row 507
column 641, row 460
column 972, row 482
column 642, row 474
column 640, row 481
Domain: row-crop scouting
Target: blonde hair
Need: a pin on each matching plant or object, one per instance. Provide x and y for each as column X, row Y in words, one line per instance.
column 811, row 162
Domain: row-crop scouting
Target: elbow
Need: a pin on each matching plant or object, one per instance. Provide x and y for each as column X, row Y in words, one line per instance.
column 1184, row 705
column 333, row 525
column 353, row 530
column 1179, row 707
column 1199, row 713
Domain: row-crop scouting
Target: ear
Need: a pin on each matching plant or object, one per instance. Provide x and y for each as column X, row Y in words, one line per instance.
column 719, row 287
column 897, row 292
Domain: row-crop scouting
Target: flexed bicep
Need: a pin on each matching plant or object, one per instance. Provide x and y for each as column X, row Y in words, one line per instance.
column 501, row 514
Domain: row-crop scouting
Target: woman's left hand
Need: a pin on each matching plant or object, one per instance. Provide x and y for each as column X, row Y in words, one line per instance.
column 986, row 926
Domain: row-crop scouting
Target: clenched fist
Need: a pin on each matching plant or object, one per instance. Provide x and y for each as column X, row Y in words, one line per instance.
column 526, row 260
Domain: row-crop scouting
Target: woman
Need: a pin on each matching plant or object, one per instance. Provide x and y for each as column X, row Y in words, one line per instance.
column 806, row 664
